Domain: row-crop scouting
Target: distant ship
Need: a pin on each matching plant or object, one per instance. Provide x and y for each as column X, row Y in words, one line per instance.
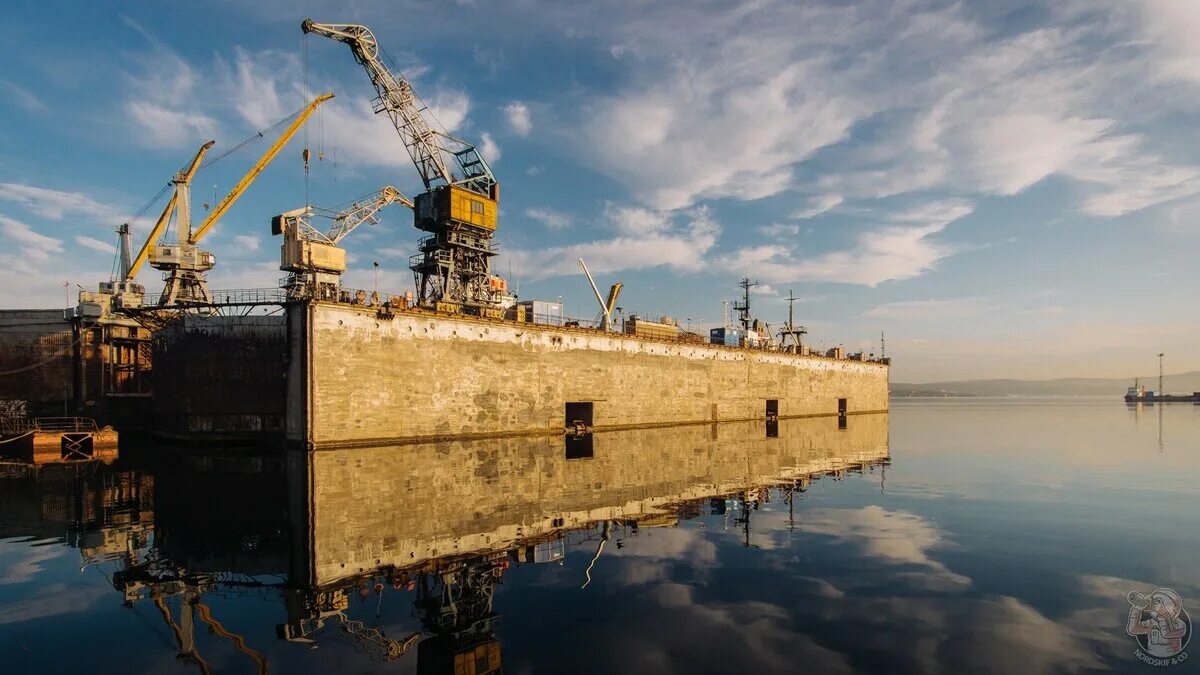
column 1138, row 394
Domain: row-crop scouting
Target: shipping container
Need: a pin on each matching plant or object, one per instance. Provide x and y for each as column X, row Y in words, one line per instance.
column 636, row 325
column 731, row 337
column 545, row 313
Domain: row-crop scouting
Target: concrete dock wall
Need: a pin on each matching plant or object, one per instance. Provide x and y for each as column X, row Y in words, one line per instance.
column 221, row 375
column 402, row 506
column 358, row 378
column 37, row 351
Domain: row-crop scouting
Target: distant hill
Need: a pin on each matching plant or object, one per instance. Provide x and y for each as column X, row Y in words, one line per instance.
column 1179, row 383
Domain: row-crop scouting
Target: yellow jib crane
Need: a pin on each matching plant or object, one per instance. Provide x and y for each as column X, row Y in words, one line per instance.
column 185, row 263
column 182, row 182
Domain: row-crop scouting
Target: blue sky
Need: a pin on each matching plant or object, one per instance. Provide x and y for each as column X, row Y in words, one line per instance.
column 1006, row 189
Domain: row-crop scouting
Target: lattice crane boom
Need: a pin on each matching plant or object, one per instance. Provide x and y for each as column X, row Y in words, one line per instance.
column 364, row 212
column 238, row 189
column 428, row 146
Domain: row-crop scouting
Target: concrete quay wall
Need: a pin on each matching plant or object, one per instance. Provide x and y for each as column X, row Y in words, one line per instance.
column 357, row 378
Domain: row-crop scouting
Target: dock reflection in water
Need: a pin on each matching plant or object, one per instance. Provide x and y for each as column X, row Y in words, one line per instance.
column 398, row 552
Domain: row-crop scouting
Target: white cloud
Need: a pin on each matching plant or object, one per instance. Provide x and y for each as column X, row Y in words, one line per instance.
column 889, row 253
column 726, row 102
column 555, row 220
column 268, row 85
column 31, row 242
column 678, row 242
column 163, row 104
column 729, row 126
column 23, row 98
column 1170, row 28
column 636, row 221
column 169, row 129
column 247, row 242
column 449, row 107
column 1000, row 119
column 57, row 204
column 32, row 269
column 488, row 148
column 928, row 309
column 775, row 230
column 518, row 118
column 818, row 205
column 730, row 102
column 95, row 244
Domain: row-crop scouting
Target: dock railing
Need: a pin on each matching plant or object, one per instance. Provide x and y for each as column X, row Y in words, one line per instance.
column 76, row 425
column 390, row 302
column 248, row 296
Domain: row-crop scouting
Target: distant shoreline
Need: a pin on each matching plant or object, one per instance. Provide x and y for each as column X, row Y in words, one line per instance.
column 1064, row 387
column 943, row 395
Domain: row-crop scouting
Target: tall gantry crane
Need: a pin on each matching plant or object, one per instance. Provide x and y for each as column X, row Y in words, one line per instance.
column 458, row 207
column 313, row 257
column 183, row 261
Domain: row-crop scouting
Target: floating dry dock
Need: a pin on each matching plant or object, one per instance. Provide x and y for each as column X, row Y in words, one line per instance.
column 329, row 374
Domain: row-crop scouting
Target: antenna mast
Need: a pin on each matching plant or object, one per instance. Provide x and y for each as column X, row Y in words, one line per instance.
column 792, row 330
column 743, row 309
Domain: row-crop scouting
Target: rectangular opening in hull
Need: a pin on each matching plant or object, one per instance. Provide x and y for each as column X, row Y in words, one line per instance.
column 579, row 413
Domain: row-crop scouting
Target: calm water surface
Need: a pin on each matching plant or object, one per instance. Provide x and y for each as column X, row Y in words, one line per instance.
column 950, row 536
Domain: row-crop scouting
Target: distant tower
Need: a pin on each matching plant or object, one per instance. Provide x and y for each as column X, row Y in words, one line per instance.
column 125, row 251
column 1160, row 374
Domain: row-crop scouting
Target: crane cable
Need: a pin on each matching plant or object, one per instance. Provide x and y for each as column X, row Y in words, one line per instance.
column 253, row 137
column 304, row 67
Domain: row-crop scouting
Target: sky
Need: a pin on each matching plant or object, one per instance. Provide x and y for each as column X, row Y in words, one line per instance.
column 998, row 189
